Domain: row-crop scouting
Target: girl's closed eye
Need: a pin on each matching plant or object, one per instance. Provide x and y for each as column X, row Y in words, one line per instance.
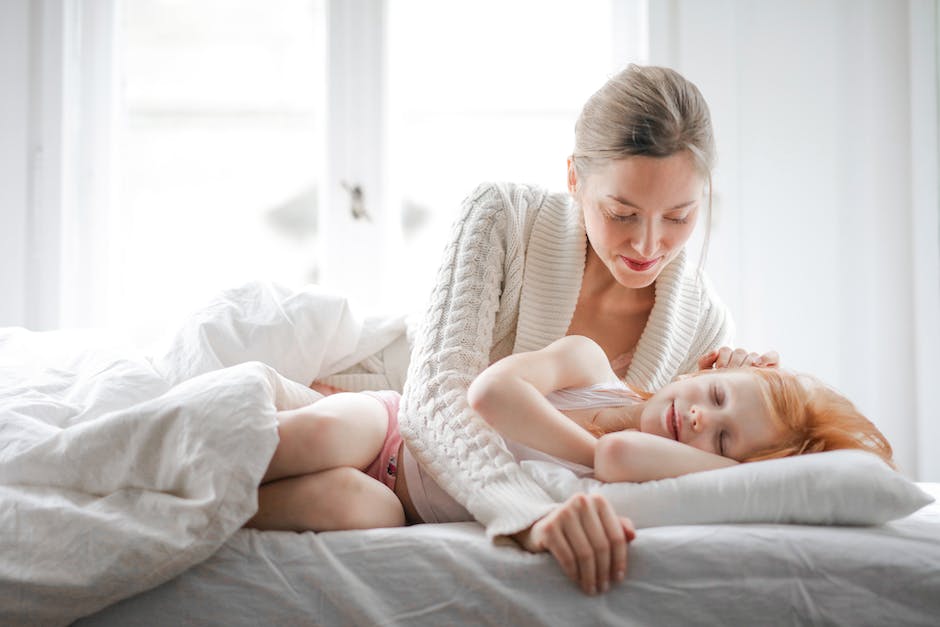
column 678, row 219
column 718, row 396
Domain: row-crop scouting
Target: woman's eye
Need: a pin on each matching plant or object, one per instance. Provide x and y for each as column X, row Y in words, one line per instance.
column 621, row 218
column 721, row 443
column 678, row 220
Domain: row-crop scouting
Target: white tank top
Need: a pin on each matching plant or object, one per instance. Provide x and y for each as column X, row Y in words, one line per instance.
column 593, row 396
column 434, row 505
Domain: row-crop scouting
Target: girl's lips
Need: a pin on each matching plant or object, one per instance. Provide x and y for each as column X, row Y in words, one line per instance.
column 672, row 425
column 638, row 265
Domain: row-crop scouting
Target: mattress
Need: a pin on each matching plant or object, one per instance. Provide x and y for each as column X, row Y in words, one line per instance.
column 446, row 574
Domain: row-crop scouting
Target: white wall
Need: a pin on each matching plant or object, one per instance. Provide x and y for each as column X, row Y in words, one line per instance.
column 925, row 135
column 14, row 103
column 812, row 104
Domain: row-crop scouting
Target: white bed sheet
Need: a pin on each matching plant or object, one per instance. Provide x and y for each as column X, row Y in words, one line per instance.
column 450, row 574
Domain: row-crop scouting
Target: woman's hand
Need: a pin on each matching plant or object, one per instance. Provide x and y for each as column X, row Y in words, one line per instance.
column 726, row 357
column 588, row 539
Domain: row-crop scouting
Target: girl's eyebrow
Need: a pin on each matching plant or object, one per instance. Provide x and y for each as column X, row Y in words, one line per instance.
column 627, row 203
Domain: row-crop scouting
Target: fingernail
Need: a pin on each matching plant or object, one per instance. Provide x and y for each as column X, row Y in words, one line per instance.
column 604, row 586
column 620, row 575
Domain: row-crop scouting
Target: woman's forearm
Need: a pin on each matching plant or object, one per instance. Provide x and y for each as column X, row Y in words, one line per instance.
column 463, row 453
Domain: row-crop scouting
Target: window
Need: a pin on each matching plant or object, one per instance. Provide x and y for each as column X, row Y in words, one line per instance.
column 220, row 151
column 485, row 91
column 246, row 124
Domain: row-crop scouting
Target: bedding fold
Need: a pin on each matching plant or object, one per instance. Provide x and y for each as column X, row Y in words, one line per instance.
column 118, row 470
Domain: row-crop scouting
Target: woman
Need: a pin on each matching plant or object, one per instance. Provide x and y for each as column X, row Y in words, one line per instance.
column 607, row 261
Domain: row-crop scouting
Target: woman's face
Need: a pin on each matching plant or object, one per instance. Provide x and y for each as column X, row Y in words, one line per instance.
column 639, row 212
column 720, row 412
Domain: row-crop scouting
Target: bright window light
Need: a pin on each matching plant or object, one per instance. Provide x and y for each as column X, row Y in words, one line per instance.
column 483, row 91
column 222, row 140
column 220, row 148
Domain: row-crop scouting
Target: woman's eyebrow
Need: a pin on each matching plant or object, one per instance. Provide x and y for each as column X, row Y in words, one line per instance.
column 628, row 203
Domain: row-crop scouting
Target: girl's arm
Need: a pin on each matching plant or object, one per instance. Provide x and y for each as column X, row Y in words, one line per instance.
column 510, row 395
column 636, row 456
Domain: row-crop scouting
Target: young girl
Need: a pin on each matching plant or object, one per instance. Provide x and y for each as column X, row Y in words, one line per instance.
column 339, row 461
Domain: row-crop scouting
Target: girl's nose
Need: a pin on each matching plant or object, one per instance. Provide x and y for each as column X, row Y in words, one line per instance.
column 696, row 419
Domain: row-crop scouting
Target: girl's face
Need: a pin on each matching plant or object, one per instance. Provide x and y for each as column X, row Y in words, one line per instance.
column 639, row 212
column 720, row 412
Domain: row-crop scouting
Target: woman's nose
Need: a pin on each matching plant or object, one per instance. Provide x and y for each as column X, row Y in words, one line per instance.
column 644, row 240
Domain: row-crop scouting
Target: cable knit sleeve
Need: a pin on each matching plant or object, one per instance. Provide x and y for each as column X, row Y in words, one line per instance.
column 715, row 327
column 481, row 270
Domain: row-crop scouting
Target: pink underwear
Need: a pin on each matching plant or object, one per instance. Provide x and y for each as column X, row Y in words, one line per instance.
column 385, row 466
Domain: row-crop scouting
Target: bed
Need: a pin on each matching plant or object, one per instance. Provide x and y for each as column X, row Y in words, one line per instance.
column 126, row 476
column 446, row 574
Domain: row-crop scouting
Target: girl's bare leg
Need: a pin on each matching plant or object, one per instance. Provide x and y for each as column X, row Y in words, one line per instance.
column 339, row 498
column 315, row 480
column 345, row 429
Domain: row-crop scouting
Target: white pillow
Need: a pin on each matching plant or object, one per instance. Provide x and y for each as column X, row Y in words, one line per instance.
column 846, row 487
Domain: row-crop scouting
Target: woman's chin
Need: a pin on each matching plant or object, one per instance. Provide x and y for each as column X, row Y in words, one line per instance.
column 636, row 280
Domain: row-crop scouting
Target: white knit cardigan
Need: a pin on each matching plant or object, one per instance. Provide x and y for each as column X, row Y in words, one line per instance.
column 509, row 283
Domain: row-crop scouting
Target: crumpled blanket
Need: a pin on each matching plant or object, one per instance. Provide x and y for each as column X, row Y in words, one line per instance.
column 120, row 470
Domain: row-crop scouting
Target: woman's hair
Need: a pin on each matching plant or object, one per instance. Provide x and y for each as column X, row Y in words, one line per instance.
column 646, row 111
column 815, row 417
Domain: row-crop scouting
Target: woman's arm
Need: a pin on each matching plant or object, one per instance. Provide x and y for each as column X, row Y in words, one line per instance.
column 635, row 456
column 510, row 395
column 478, row 283
column 478, row 291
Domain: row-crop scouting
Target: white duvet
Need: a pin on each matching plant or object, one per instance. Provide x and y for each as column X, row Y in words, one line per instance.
column 118, row 471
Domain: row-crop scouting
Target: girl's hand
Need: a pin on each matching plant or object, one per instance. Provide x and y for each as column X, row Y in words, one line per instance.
column 587, row 538
column 325, row 388
column 726, row 357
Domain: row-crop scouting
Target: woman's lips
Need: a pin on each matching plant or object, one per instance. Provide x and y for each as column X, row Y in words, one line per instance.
column 639, row 265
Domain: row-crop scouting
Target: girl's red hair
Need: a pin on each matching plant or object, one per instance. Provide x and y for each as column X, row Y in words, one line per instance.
column 815, row 417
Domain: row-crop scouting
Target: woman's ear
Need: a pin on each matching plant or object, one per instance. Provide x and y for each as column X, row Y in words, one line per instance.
column 572, row 177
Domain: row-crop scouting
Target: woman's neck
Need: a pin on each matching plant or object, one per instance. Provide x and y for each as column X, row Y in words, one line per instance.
column 599, row 285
